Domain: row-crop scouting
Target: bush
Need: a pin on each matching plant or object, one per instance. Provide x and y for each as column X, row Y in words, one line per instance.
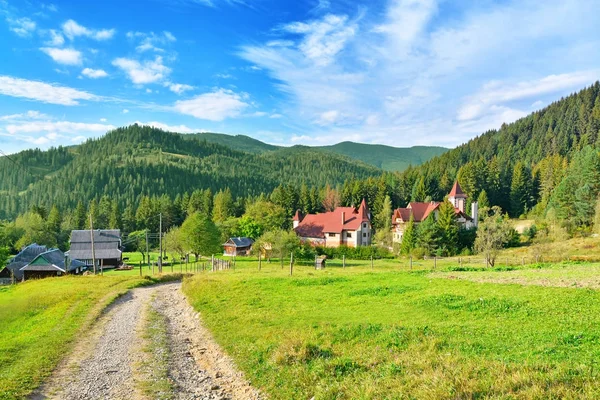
column 355, row 253
column 419, row 252
column 305, row 252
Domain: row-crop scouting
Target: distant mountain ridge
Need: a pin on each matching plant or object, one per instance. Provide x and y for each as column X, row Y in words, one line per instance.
column 388, row 158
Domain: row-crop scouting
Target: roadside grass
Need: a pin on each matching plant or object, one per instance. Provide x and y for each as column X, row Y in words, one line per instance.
column 40, row 319
column 358, row 333
column 152, row 376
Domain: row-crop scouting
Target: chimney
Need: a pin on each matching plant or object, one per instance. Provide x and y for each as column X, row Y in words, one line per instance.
column 475, row 212
column 343, row 217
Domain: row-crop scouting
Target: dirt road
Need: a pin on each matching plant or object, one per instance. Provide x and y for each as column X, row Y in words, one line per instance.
column 149, row 344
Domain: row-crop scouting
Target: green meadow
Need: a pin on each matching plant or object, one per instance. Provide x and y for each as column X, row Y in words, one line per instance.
column 389, row 333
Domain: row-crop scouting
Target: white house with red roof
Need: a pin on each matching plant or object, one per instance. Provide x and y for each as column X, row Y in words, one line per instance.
column 344, row 226
column 420, row 211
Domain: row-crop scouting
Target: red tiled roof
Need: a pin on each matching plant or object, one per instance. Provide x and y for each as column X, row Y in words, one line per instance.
column 421, row 211
column 316, row 225
column 457, row 191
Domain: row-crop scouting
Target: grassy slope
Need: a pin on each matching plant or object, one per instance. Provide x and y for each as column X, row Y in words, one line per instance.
column 357, row 333
column 40, row 319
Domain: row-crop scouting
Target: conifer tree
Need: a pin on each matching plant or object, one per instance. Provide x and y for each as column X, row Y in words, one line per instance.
column 428, row 235
column 448, row 228
column 419, row 193
column 409, row 237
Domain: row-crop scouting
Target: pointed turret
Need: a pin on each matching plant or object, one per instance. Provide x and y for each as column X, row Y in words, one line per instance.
column 457, row 197
column 298, row 217
column 364, row 212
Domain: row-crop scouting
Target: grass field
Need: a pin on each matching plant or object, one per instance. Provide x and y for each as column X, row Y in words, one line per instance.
column 40, row 319
column 384, row 333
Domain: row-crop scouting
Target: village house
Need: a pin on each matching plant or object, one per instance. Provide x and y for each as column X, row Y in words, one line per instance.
column 420, row 211
column 238, row 246
column 107, row 247
column 344, row 226
column 12, row 271
column 51, row 263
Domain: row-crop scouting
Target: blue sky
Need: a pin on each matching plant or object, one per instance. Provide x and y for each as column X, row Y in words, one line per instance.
column 397, row 72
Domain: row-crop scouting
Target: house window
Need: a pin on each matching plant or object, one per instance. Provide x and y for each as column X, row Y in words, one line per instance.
column 332, row 235
column 364, row 235
column 349, row 235
column 365, row 225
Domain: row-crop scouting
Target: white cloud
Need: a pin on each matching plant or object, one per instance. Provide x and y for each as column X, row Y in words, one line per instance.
column 103, row 119
column 63, row 56
column 495, row 93
column 62, row 127
column 178, row 88
column 94, row 73
column 56, row 38
column 142, row 73
column 322, row 39
column 23, row 27
column 125, row 111
column 406, row 75
column 72, row 30
column 214, row 106
column 275, row 116
column 224, row 76
column 171, row 128
column 28, row 115
column 151, row 40
column 44, row 92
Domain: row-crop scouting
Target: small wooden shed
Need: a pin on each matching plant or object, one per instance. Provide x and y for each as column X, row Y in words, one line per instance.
column 238, row 246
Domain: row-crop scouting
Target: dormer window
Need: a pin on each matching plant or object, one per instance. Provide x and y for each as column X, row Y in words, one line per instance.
column 365, row 225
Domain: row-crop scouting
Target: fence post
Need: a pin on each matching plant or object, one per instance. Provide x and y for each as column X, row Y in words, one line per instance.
column 291, row 263
column 344, row 261
column 411, row 263
column 434, row 262
column 371, row 262
column 259, row 261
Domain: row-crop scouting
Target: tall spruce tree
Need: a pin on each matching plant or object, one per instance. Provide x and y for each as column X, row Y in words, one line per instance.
column 409, row 237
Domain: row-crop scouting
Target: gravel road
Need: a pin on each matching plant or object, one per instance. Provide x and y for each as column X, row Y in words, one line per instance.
column 103, row 364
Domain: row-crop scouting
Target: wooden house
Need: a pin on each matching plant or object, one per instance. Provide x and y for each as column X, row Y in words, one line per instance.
column 13, row 269
column 51, row 263
column 238, row 246
column 107, row 247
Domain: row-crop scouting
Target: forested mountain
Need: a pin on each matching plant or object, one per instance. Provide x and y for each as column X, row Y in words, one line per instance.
column 546, row 163
column 130, row 162
column 387, row 158
column 236, row 142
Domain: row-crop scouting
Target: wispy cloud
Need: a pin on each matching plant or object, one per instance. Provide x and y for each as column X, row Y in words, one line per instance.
column 43, row 92
column 23, row 27
column 178, row 88
column 214, row 106
column 72, row 30
column 150, row 71
column 388, row 77
column 151, row 40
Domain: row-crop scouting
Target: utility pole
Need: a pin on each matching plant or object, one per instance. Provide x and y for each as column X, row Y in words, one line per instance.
column 92, row 237
column 160, row 256
column 147, row 250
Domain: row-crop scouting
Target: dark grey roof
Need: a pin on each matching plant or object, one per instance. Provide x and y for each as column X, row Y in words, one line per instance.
column 27, row 255
column 53, row 260
column 100, row 236
column 240, row 241
column 106, row 244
